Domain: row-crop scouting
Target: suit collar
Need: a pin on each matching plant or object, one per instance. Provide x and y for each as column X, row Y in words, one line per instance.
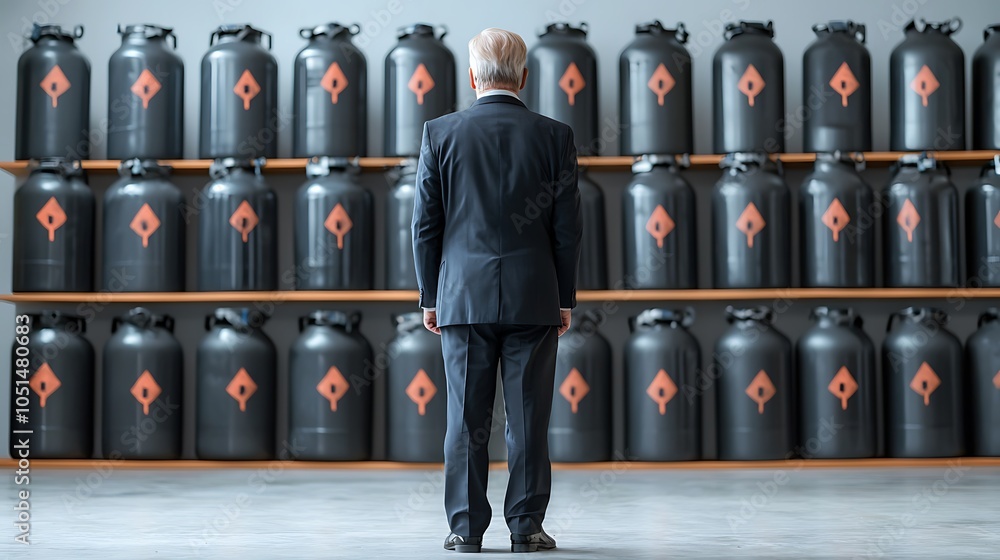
column 498, row 99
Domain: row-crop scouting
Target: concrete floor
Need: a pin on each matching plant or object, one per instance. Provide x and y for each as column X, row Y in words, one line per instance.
column 621, row 512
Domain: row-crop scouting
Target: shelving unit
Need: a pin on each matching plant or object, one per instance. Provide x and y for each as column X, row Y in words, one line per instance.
column 583, row 296
column 599, row 163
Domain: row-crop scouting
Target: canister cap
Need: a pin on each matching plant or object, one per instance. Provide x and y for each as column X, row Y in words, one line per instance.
column 422, row 30
column 946, row 27
column 333, row 30
column 842, row 26
column 54, row 31
column 760, row 313
column 349, row 321
column 758, row 27
column 919, row 315
column 147, row 30
column 659, row 316
column 240, row 32
column 241, row 318
column 143, row 318
column 564, row 28
column 838, row 315
column 51, row 319
column 655, row 27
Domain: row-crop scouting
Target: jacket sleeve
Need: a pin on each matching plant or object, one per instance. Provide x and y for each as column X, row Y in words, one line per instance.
column 427, row 225
column 567, row 223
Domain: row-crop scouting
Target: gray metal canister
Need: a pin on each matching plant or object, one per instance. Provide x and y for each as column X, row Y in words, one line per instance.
column 334, row 229
column 416, row 399
column 982, row 228
column 239, row 95
column 330, row 390
column 562, row 82
column 924, row 385
column 143, row 233
column 145, row 95
column 920, row 225
column 53, row 96
column 658, row 227
column 986, row 91
column 837, row 387
column 751, row 224
column 927, row 89
column 580, row 425
column 748, row 77
column 837, row 89
column 52, row 389
column 654, row 87
column 400, row 273
column 54, row 229
column 236, row 383
column 836, row 225
column 663, row 402
column 419, row 86
column 982, row 352
column 755, row 390
column 592, row 272
column 237, row 229
column 330, row 96
column 142, row 388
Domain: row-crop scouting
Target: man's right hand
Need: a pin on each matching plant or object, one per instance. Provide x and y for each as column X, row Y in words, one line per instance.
column 566, row 317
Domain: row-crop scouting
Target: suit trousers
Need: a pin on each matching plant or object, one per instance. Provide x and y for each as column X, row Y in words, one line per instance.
column 526, row 355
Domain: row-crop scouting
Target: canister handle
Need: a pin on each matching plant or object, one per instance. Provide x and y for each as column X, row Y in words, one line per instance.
column 443, row 29
column 989, row 315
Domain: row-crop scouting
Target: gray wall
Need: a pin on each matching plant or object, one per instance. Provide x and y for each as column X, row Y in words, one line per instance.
column 611, row 25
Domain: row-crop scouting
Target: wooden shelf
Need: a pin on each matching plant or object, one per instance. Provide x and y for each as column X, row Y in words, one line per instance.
column 880, row 463
column 600, row 163
column 362, row 296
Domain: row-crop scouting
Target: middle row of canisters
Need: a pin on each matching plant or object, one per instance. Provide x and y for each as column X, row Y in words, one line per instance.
column 239, row 85
column 820, row 401
column 145, row 217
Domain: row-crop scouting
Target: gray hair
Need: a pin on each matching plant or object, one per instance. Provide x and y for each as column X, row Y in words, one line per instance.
column 497, row 59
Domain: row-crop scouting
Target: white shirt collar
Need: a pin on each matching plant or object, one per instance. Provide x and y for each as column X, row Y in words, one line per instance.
column 499, row 92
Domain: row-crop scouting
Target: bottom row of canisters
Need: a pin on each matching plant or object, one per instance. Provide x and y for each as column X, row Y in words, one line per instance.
column 820, row 401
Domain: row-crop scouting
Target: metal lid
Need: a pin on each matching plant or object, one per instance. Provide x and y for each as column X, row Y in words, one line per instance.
column 842, row 26
column 989, row 315
column 919, row 315
column 564, row 28
column 838, row 315
column 144, row 319
column 324, row 165
column 655, row 27
column 408, row 322
column 646, row 163
column 54, row 31
column 239, row 32
column 922, row 162
column 744, row 161
column 991, row 30
column 140, row 167
column 673, row 317
column 946, row 27
column 332, row 30
column 760, row 314
column 421, row 30
column 52, row 319
column 146, row 31
column 349, row 322
column 224, row 166
column 241, row 318
column 751, row 27
column 62, row 166
column 857, row 159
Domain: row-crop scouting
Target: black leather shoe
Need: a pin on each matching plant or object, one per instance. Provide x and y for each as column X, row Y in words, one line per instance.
column 463, row 544
column 531, row 543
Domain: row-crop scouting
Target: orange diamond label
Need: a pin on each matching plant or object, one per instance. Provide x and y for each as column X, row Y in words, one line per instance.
column 750, row 222
column 145, row 390
column 339, row 223
column 145, row 223
column 996, row 220
column 421, row 390
column 925, row 382
column 55, row 83
column 420, row 83
column 836, row 218
column 572, row 82
column 246, row 88
column 843, row 386
column 908, row 219
column 241, row 388
column 244, row 220
column 661, row 83
column 659, row 224
column 145, row 87
column 844, row 82
column 574, row 388
column 925, row 84
column 661, row 390
column 761, row 390
column 751, row 83
column 334, row 81
column 333, row 387
column 52, row 217
column 996, row 380
column 44, row 383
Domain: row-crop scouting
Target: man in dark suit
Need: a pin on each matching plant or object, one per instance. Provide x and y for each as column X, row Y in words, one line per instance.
column 496, row 241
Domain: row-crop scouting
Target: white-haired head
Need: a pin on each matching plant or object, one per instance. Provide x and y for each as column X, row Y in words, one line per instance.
column 496, row 60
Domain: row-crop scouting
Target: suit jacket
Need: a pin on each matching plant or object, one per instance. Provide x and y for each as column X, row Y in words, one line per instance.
column 496, row 220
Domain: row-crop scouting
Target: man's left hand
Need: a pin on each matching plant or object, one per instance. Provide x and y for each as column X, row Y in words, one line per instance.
column 431, row 321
